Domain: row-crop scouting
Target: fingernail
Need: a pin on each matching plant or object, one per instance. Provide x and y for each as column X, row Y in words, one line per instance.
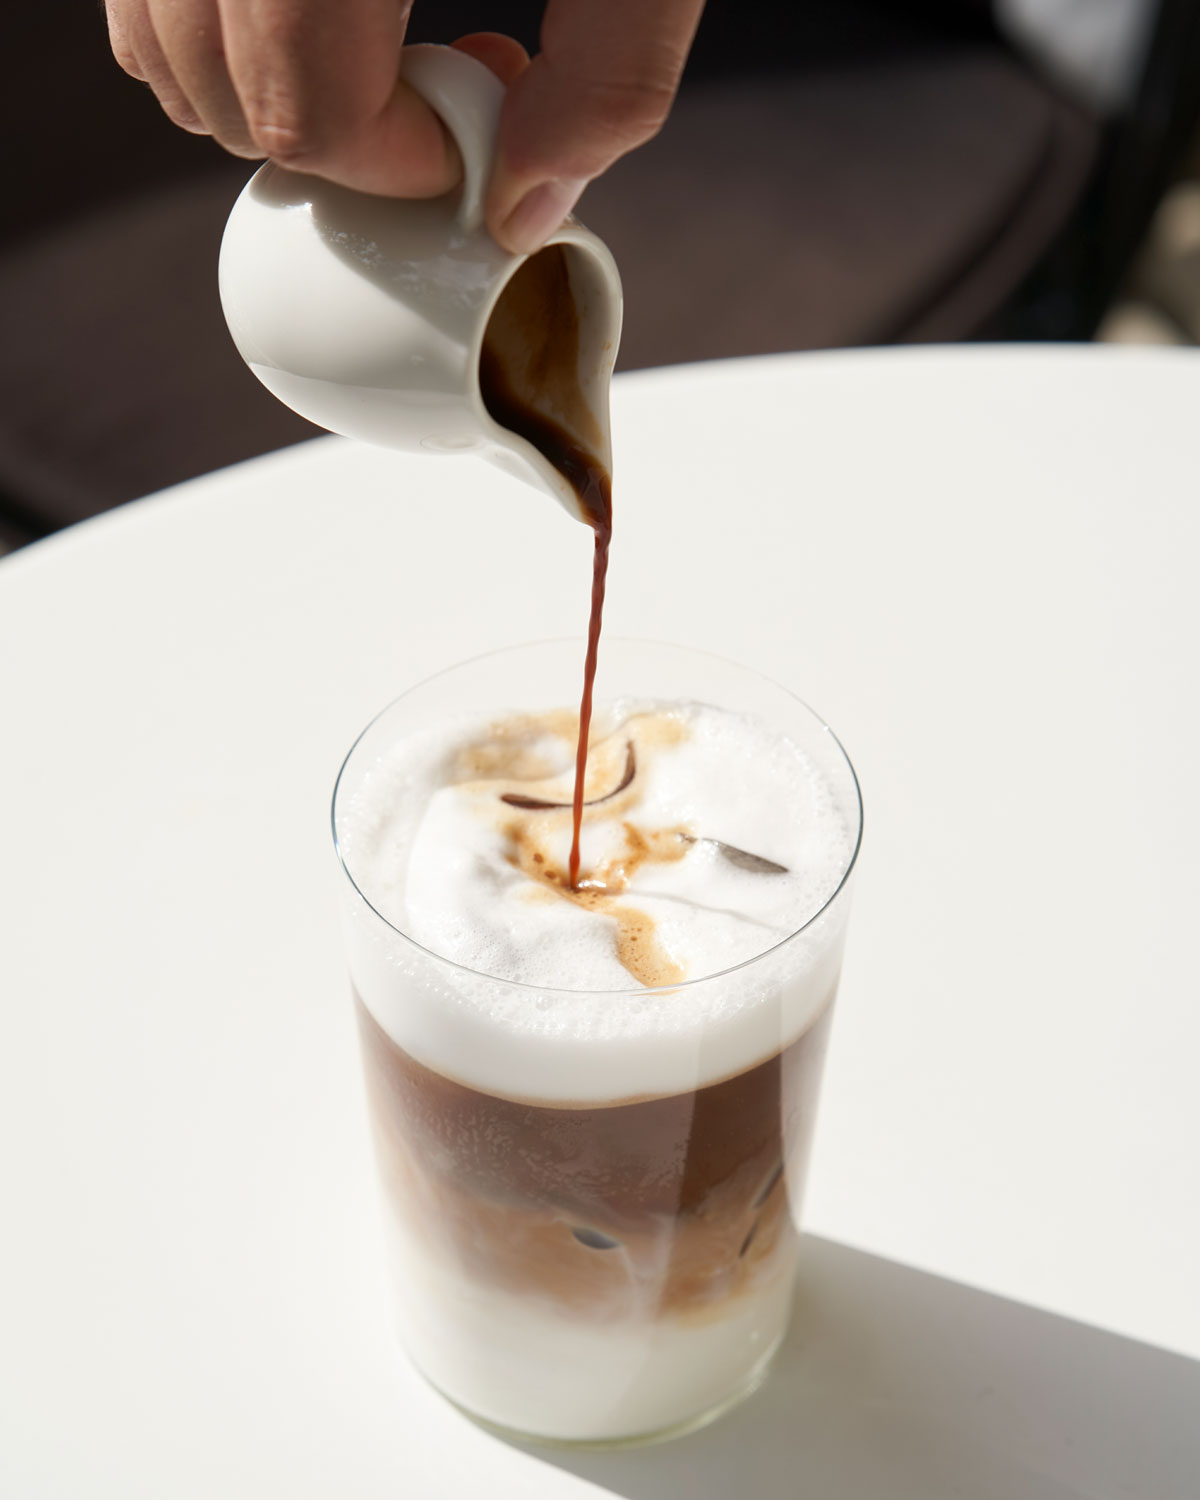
column 539, row 214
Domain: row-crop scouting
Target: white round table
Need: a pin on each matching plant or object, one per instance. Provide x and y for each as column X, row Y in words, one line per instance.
column 980, row 566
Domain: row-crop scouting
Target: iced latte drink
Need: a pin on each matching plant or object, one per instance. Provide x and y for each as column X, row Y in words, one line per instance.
column 592, row 1102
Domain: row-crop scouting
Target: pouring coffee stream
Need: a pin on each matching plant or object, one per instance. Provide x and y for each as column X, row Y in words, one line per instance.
column 529, row 381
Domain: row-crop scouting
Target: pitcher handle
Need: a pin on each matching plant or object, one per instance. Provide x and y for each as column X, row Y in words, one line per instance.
column 466, row 96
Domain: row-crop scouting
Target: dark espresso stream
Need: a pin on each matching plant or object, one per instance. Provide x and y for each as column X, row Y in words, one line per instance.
column 529, row 379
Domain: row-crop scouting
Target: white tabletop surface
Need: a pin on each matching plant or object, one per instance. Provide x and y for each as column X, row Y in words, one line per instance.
column 980, row 566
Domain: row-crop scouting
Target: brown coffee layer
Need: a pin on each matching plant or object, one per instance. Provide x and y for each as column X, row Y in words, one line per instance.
column 660, row 1205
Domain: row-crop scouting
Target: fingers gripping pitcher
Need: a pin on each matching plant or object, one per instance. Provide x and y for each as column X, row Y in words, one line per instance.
column 403, row 323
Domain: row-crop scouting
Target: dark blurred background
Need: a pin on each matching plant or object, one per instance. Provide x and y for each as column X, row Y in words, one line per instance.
column 835, row 173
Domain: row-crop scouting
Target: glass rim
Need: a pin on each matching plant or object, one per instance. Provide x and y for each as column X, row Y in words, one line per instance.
column 635, row 989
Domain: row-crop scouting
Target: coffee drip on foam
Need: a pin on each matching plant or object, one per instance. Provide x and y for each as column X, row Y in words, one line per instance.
column 531, row 841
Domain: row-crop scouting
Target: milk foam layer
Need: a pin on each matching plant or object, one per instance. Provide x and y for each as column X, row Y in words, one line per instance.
column 601, row 993
column 712, row 797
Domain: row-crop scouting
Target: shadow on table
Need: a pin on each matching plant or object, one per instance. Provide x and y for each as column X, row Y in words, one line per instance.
column 894, row 1383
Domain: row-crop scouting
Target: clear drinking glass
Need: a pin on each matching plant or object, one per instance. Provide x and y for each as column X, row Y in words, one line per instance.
column 610, row 1262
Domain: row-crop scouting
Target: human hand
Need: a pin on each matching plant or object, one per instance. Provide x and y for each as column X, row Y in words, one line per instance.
column 313, row 84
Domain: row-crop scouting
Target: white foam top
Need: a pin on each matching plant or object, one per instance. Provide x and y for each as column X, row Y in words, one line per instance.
column 710, row 839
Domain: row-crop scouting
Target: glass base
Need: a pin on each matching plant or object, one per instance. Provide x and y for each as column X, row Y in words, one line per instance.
column 745, row 1388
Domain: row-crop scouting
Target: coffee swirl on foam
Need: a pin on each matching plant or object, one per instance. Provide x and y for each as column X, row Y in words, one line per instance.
column 638, row 948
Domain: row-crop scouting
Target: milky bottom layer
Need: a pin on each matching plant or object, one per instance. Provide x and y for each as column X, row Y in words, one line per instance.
column 592, row 1272
column 531, row 1368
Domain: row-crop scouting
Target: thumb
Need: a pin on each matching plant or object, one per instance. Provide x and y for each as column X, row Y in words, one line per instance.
column 603, row 83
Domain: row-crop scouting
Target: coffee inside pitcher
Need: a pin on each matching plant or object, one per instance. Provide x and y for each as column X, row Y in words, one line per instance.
column 543, row 372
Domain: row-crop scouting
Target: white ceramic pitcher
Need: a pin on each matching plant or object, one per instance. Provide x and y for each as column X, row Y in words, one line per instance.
column 367, row 314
